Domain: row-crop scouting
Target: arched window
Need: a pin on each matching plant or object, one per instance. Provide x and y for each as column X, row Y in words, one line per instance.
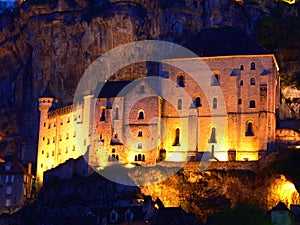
column 252, row 104
column 140, row 133
column 252, row 81
column 242, row 67
column 212, row 138
column 116, row 135
column 142, row 89
column 252, row 66
column 249, row 129
column 215, row 80
column 143, row 158
column 177, row 137
column 117, row 113
column 139, row 157
column 180, row 80
column 241, row 83
column 162, row 154
column 102, row 118
column 140, row 146
column 215, row 103
column 197, row 102
column 141, row 115
column 179, row 104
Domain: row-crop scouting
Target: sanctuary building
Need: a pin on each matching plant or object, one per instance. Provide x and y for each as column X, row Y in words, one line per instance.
column 228, row 114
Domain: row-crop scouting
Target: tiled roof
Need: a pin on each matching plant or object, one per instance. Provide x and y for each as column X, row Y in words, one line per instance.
column 110, row 89
column 15, row 168
column 48, row 92
column 280, row 207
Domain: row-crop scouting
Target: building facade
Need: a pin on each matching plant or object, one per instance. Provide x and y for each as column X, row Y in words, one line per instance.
column 170, row 117
column 15, row 186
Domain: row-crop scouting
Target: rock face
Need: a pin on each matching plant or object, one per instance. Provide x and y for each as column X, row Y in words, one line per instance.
column 55, row 41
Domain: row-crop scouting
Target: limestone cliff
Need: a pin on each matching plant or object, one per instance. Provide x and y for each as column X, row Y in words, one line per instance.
column 55, row 41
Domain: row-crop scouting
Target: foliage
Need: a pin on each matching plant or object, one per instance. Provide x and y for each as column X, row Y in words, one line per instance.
column 242, row 214
column 280, row 34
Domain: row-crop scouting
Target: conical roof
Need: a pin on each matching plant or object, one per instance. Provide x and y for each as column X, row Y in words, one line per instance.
column 48, row 92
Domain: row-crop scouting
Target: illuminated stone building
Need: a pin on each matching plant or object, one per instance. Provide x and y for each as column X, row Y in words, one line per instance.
column 132, row 122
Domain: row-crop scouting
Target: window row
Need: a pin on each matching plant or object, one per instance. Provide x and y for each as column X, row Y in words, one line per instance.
column 197, row 103
column 53, row 140
column 141, row 115
column 215, row 79
column 68, row 120
column 8, row 179
column 59, row 151
column 139, row 157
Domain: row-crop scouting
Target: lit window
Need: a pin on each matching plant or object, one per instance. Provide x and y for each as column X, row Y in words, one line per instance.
column 7, row 167
column 252, row 67
column 141, row 115
column 215, row 103
column 249, row 129
column 212, row 138
column 7, row 202
column 252, row 81
column 8, row 190
column 177, row 137
column 252, row 104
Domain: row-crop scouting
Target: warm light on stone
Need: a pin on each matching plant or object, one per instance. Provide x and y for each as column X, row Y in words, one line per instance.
column 283, row 190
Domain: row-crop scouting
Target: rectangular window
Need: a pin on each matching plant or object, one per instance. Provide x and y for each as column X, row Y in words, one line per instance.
column 7, row 202
column 239, row 101
column 67, row 136
column 52, row 152
column 8, row 190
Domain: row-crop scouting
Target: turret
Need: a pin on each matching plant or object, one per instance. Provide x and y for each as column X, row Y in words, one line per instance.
column 45, row 101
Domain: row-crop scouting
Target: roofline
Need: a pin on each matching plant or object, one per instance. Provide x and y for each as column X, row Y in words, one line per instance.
column 226, row 57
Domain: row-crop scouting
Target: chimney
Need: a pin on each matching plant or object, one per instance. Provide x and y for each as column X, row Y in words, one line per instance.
column 29, row 167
